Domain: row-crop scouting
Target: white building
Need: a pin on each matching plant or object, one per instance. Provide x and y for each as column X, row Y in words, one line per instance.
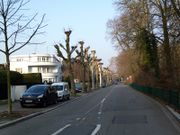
column 48, row 65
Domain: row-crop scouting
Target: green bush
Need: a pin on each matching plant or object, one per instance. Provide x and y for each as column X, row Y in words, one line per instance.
column 16, row 77
column 32, row 78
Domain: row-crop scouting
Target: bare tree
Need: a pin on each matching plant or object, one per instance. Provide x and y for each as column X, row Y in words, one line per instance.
column 176, row 6
column 16, row 31
column 151, row 29
column 68, row 59
column 82, row 55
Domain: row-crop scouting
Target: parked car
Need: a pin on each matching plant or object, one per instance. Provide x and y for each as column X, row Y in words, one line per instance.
column 78, row 87
column 39, row 95
column 62, row 89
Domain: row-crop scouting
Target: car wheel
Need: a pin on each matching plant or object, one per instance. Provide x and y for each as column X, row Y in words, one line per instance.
column 68, row 98
column 22, row 105
column 55, row 101
column 44, row 104
column 63, row 99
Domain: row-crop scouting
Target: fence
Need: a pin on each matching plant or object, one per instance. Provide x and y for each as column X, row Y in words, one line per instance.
column 170, row 96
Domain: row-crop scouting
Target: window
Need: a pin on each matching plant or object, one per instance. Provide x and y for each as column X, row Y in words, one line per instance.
column 39, row 59
column 19, row 59
column 43, row 59
column 39, row 69
column 30, row 69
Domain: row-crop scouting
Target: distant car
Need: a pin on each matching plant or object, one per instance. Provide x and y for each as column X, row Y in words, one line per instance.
column 62, row 89
column 78, row 87
column 39, row 95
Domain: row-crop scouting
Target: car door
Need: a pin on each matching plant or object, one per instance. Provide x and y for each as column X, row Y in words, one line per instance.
column 48, row 95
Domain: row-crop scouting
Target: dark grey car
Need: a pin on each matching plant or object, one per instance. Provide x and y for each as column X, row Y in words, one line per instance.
column 39, row 95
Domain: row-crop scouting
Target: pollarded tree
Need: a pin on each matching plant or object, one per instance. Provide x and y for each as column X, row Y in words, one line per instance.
column 16, row 31
column 68, row 58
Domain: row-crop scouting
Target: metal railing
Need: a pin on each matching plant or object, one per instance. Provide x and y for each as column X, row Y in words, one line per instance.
column 171, row 97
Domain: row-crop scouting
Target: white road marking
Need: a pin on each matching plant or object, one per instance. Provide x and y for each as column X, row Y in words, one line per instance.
column 84, row 118
column 91, row 109
column 101, row 106
column 96, row 129
column 102, row 101
column 78, row 118
column 61, row 129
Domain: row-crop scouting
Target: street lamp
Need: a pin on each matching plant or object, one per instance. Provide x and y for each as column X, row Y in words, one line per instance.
column 93, row 52
column 100, row 74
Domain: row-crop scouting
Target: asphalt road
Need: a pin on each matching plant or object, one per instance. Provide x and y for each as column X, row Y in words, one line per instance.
column 115, row 110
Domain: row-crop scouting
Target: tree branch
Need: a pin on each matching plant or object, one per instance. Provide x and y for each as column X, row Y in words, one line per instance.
column 59, row 53
column 31, row 36
column 2, row 51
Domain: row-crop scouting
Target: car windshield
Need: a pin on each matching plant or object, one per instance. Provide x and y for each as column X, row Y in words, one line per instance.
column 58, row 87
column 37, row 89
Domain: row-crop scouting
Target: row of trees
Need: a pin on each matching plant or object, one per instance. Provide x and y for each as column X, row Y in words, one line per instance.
column 147, row 34
column 85, row 67
column 18, row 30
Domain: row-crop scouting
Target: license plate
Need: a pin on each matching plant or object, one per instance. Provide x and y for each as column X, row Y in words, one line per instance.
column 28, row 101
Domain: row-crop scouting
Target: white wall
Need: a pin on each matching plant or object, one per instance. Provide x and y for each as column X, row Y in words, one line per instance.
column 17, row 91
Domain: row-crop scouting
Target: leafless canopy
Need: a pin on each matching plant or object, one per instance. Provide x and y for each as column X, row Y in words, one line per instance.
column 16, row 28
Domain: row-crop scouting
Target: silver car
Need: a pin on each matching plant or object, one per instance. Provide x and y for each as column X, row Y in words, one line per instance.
column 62, row 89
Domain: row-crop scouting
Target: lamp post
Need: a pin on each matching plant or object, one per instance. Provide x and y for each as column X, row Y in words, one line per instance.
column 97, row 72
column 100, row 74
column 93, row 52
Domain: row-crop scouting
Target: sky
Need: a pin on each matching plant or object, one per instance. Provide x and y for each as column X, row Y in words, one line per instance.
column 86, row 18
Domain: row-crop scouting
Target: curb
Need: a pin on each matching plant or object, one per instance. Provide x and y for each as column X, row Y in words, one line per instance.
column 175, row 114
column 168, row 108
column 20, row 119
column 35, row 114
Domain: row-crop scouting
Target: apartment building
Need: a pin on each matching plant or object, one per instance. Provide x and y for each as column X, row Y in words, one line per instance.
column 48, row 65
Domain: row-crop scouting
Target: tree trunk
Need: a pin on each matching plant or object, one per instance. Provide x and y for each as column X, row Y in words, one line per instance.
column 9, row 85
column 84, row 77
column 167, row 50
column 72, row 78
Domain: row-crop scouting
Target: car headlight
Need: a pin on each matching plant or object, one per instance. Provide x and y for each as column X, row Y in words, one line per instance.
column 40, row 96
column 60, row 94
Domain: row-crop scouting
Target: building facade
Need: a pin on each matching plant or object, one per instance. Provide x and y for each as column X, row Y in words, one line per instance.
column 48, row 65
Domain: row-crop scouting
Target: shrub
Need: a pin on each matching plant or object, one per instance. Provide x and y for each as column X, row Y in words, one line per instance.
column 16, row 77
column 32, row 78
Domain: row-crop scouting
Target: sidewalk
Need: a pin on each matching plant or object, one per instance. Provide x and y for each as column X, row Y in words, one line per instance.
column 18, row 111
column 20, row 114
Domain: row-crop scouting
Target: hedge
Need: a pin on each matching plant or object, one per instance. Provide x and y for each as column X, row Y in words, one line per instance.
column 32, row 78
column 17, row 79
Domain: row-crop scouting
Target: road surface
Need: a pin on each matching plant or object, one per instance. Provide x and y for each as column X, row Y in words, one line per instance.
column 115, row 110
